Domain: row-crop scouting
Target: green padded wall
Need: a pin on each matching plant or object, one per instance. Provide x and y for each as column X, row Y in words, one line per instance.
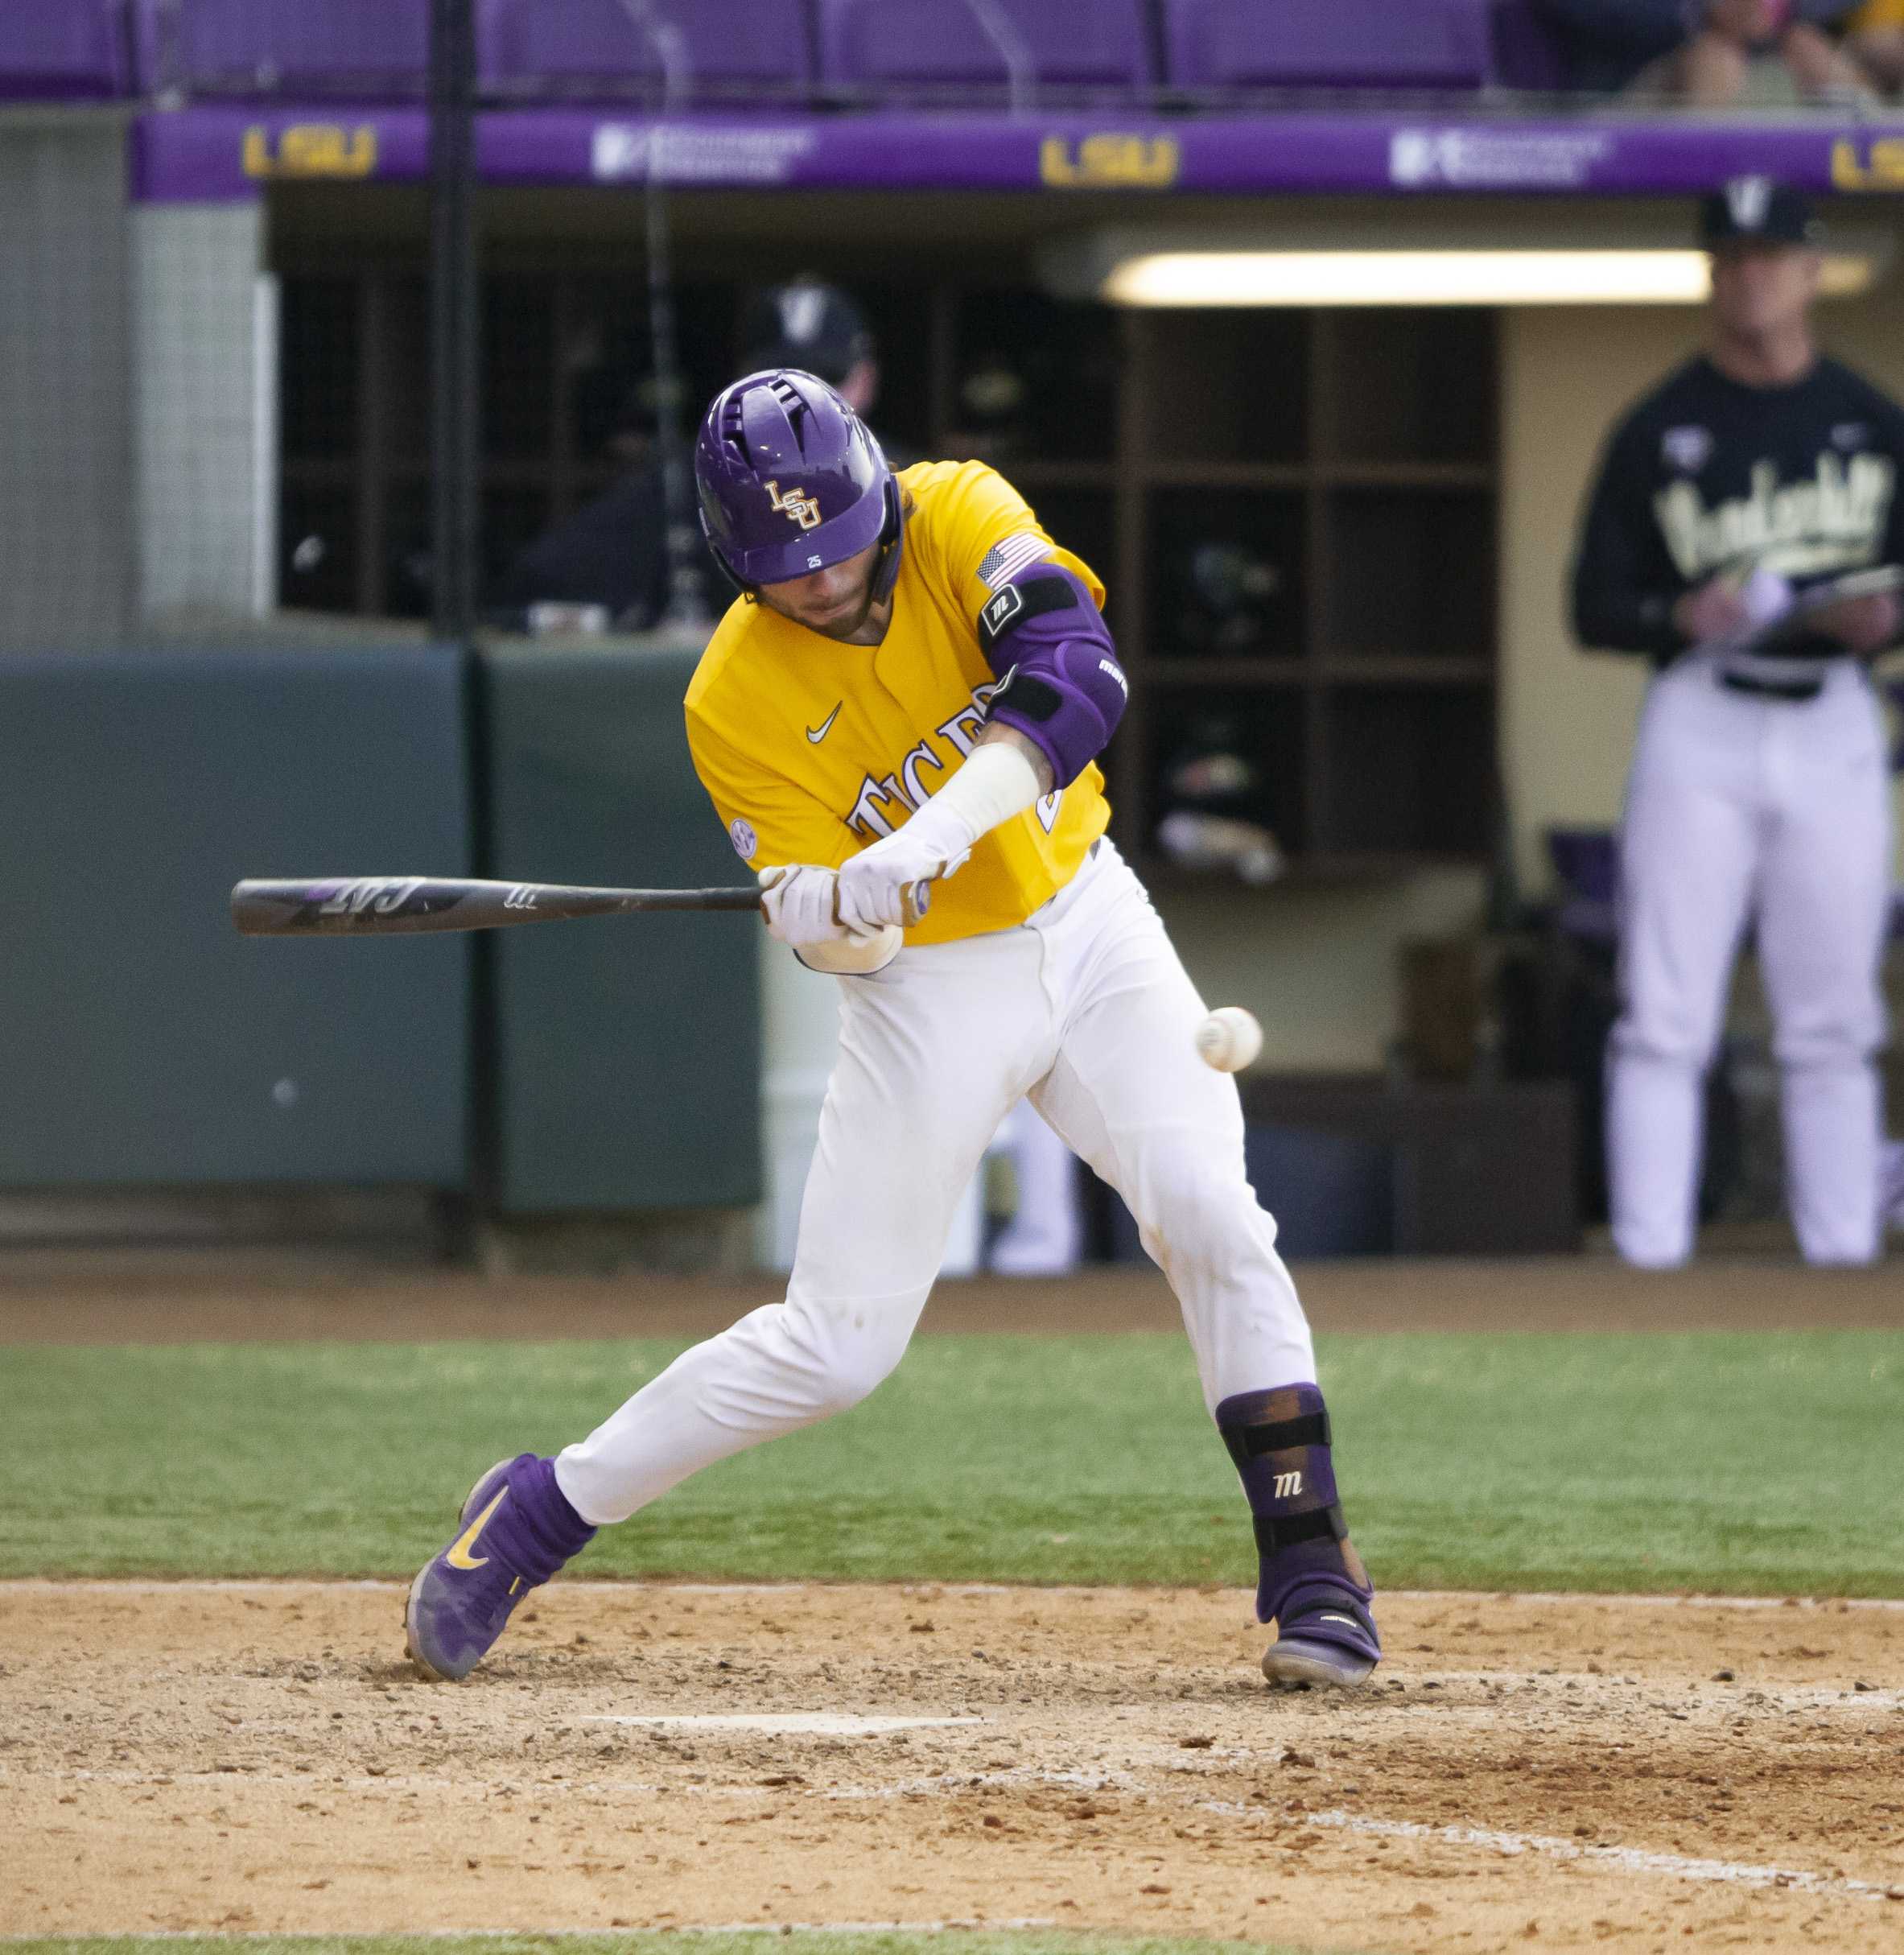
column 625, row 1051
column 147, row 1043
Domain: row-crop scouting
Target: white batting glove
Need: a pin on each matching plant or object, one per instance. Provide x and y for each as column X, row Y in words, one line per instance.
column 873, row 885
column 1000, row 778
column 800, row 904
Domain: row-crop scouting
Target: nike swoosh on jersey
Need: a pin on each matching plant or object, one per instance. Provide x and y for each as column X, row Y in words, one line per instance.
column 459, row 1555
column 816, row 735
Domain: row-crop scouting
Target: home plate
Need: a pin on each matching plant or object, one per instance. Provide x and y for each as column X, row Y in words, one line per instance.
column 814, row 1723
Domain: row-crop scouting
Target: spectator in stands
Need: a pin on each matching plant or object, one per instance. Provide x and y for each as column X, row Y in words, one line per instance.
column 611, row 552
column 1738, row 37
column 1711, row 53
column 1874, row 38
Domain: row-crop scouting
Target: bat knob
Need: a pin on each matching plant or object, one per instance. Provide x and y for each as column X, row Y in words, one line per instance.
column 915, row 903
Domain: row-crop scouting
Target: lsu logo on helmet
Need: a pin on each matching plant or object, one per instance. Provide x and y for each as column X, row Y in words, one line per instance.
column 796, row 507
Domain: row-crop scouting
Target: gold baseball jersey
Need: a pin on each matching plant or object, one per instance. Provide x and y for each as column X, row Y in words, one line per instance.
column 812, row 749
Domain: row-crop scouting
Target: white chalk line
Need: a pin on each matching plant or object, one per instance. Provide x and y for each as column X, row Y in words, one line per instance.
column 780, row 1928
column 815, row 1723
column 1623, row 1859
column 280, row 1585
column 1626, row 1859
column 1097, row 1780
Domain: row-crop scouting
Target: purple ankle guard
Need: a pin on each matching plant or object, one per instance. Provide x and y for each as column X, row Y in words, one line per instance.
column 535, row 1530
column 1279, row 1441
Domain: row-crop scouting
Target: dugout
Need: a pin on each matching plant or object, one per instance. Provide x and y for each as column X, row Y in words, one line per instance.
column 219, row 399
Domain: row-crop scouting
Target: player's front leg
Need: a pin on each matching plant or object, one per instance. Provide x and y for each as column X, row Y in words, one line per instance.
column 924, row 1073
column 1130, row 1093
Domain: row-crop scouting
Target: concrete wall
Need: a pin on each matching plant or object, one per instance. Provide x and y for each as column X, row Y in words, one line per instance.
column 137, row 396
column 205, row 394
column 1568, row 718
column 65, row 380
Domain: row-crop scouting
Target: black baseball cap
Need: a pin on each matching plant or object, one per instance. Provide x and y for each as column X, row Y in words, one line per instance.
column 1755, row 210
column 807, row 324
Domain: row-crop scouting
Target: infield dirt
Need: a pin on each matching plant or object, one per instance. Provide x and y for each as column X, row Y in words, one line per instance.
column 1527, row 1772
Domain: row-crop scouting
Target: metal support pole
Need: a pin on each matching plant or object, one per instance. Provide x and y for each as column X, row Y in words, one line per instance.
column 686, row 608
column 455, row 446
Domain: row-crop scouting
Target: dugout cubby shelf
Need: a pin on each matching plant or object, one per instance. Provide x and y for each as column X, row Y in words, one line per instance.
column 1411, row 386
column 1361, row 492
column 1295, row 512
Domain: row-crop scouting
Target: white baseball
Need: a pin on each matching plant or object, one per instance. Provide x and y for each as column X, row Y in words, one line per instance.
column 1229, row 1039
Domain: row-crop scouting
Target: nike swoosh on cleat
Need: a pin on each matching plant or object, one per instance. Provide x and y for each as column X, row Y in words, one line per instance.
column 825, row 726
column 458, row 1554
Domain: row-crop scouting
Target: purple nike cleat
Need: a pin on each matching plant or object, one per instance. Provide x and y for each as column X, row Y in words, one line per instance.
column 1311, row 1584
column 461, row 1602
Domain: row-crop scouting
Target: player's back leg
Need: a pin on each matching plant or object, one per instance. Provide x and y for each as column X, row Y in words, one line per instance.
column 1127, row 1091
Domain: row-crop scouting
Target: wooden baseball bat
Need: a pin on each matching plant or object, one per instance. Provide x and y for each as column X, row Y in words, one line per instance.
column 404, row 905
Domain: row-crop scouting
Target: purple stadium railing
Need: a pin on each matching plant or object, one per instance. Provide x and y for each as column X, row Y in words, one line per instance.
column 363, row 50
column 1024, row 48
column 1227, row 45
column 599, row 49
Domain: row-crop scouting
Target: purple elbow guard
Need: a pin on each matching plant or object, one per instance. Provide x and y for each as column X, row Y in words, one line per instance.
column 1062, row 686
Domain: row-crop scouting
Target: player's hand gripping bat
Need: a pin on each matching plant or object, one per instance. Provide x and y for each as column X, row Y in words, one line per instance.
column 402, row 905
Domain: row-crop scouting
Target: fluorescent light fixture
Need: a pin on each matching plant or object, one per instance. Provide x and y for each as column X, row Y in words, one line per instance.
column 1419, row 278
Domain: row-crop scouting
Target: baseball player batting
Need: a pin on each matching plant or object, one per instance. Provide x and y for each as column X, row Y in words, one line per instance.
column 915, row 683
column 1744, row 532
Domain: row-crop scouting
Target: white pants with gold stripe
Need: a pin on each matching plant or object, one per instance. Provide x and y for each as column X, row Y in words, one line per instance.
column 1087, row 1010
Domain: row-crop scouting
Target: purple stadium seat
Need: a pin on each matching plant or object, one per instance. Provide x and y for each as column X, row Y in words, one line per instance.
column 927, row 45
column 598, row 48
column 1526, row 55
column 63, row 48
column 1327, row 43
column 374, row 50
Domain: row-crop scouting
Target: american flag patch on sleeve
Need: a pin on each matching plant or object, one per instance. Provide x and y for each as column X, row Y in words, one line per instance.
column 1003, row 561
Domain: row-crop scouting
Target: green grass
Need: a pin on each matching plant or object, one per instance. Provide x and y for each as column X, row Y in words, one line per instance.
column 802, row 1941
column 1746, row 1464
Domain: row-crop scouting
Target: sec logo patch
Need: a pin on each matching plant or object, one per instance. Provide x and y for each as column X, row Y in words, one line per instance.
column 747, row 844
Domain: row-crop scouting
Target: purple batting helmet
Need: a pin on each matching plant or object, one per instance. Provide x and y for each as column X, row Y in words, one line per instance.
column 791, row 480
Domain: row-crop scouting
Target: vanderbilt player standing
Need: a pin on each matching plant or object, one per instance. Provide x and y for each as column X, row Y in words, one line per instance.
column 1758, row 792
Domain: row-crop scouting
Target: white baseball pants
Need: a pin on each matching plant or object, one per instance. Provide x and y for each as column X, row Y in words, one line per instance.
column 1084, row 1008
column 1743, row 808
